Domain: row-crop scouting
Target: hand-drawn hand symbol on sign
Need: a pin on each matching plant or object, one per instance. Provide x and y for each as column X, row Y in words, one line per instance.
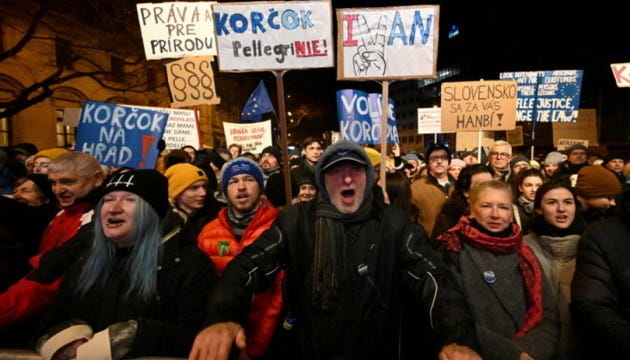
column 369, row 59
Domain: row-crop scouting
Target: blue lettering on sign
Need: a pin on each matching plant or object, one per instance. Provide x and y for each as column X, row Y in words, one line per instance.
column 120, row 135
column 418, row 26
column 359, row 116
column 254, row 21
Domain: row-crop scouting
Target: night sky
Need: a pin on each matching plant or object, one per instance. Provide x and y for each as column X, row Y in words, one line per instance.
column 529, row 36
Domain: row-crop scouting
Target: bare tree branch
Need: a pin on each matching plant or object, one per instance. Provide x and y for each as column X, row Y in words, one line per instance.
column 27, row 35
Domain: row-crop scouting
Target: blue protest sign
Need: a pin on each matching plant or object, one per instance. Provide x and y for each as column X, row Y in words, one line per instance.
column 359, row 115
column 118, row 135
column 547, row 96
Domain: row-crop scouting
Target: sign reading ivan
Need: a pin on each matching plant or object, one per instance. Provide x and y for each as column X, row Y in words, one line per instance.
column 274, row 35
column 547, row 96
column 118, row 135
column 478, row 105
column 387, row 43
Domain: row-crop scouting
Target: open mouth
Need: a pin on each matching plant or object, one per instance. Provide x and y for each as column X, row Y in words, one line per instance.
column 347, row 194
column 114, row 222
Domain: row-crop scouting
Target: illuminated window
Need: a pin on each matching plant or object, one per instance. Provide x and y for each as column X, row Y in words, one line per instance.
column 65, row 133
column 5, row 132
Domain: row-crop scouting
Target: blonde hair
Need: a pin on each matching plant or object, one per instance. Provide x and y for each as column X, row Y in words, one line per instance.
column 479, row 187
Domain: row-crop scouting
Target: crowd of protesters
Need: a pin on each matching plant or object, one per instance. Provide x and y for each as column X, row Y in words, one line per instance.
column 457, row 256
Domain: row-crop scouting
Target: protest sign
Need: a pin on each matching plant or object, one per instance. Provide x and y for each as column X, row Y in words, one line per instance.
column 181, row 129
column 564, row 144
column 547, row 96
column 429, row 120
column 468, row 140
column 191, row 82
column 119, row 135
column 387, row 43
column 274, row 35
column 359, row 115
column 71, row 116
column 584, row 128
column 177, row 29
column 621, row 72
column 515, row 137
column 478, row 105
column 253, row 137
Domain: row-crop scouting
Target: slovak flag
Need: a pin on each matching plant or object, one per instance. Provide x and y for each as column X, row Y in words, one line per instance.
column 257, row 104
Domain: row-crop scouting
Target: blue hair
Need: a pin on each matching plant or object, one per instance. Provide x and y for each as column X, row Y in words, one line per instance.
column 142, row 263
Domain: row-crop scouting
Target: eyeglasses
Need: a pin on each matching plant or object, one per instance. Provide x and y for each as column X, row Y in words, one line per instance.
column 439, row 157
column 499, row 154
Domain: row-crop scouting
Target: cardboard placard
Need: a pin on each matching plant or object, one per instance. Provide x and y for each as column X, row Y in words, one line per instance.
column 584, row 128
column 468, row 140
column 478, row 105
column 191, row 82
column 253, row 137
column 621, row 72
column 564, row 144
column 429, row 120
column 262, row 35
column 387, row 43
column 177, row 29
column 515, row 137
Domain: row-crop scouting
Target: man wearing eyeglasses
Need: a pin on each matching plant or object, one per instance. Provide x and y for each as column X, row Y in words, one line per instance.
column 428, row 194
column 577, row 158
column 499, row 160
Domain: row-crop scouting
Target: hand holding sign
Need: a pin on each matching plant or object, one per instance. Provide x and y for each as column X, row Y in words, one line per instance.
column 370, row 56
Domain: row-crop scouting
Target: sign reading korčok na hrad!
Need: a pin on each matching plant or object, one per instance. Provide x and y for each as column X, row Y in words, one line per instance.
column 118, row 135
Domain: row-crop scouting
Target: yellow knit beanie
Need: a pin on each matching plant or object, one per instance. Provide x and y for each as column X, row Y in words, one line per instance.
column 182, row 175
column 51, row 153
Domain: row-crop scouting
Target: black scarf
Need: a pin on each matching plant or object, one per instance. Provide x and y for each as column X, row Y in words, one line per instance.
column 330, row 227
column 540, row 227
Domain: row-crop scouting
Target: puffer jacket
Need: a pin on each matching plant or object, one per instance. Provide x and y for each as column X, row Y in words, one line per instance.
column 217, row 240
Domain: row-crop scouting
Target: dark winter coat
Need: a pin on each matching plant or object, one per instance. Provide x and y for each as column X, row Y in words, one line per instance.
column 384, row 259
column 167, row 325
column 600, row 291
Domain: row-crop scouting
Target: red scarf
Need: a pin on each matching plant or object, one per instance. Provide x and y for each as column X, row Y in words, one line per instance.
column 528, row 264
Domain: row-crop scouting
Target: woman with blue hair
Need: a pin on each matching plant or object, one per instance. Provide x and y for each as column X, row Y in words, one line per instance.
column 139, row 290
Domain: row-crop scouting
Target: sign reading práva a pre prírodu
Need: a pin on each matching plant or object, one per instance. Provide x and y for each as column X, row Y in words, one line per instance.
column 177, row 29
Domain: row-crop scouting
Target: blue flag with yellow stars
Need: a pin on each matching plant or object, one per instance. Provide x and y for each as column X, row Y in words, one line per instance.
column 257, row 104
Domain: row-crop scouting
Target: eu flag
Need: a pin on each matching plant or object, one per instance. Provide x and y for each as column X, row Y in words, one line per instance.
column 257, row 104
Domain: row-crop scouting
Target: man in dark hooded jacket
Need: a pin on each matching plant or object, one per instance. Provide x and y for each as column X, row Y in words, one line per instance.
column 350, row 260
